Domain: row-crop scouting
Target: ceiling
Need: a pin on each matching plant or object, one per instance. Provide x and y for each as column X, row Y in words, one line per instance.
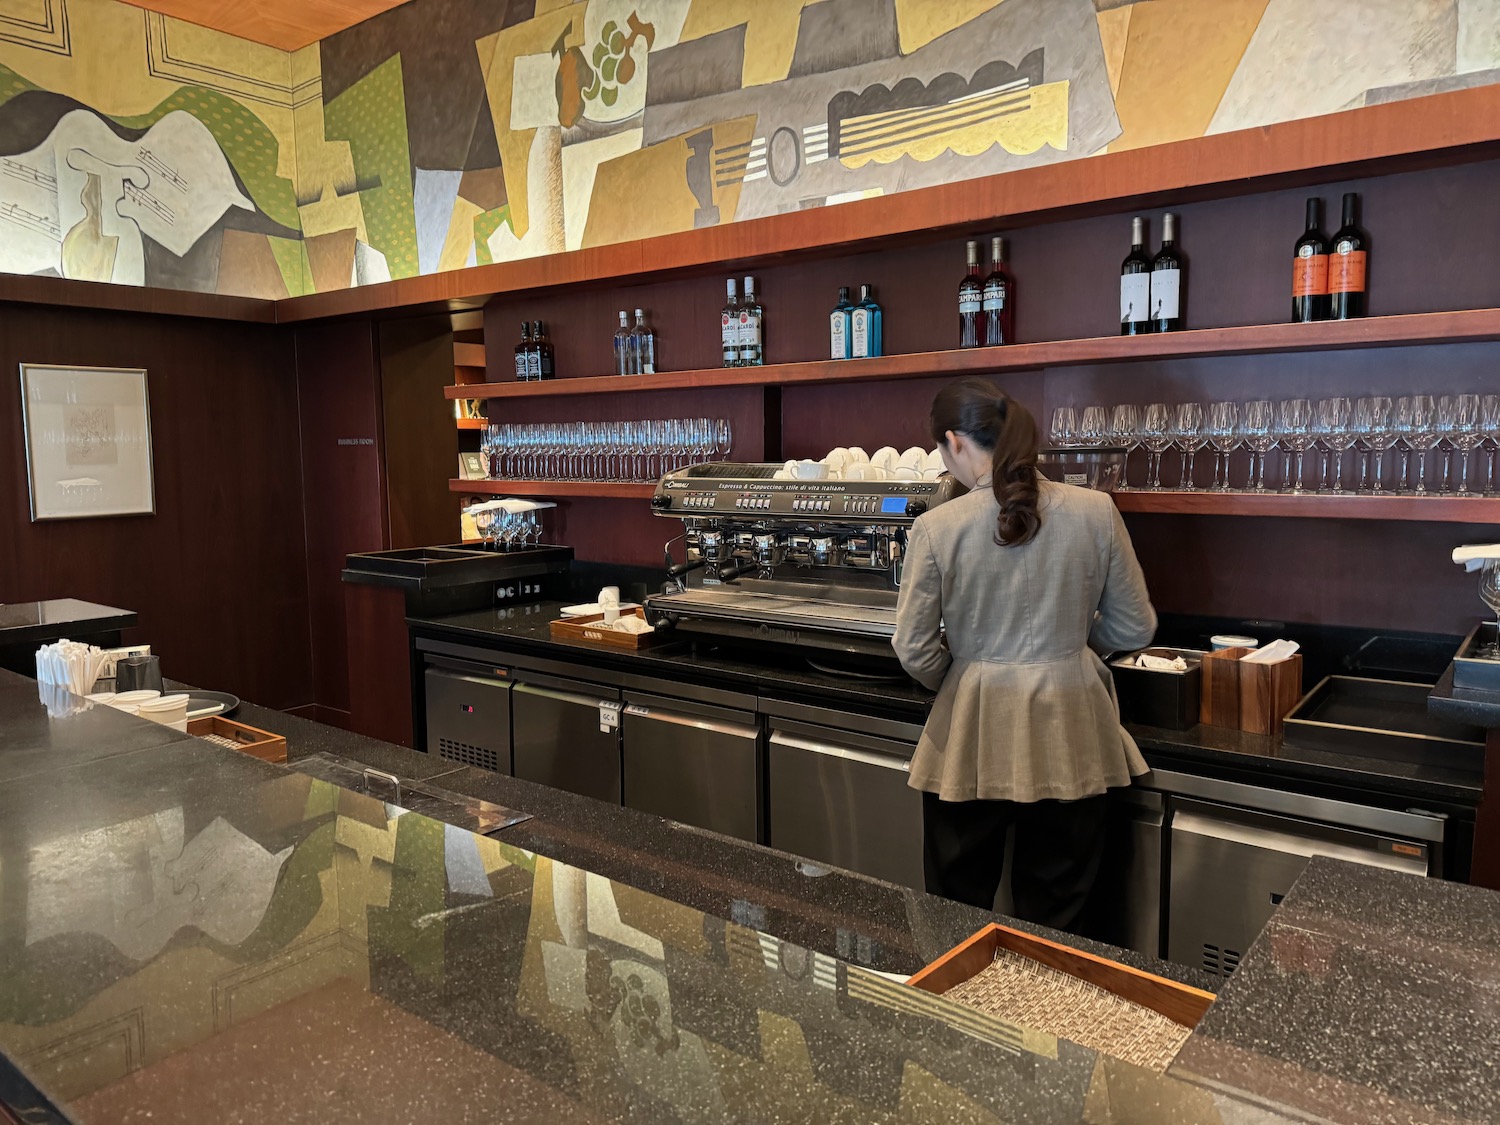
column 287, row 24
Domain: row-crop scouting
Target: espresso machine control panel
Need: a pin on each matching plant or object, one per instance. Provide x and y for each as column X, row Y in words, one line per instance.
column 815, row 501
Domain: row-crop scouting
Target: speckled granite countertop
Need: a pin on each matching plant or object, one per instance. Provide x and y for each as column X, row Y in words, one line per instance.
column 192, row 935
column 525, row 630
column 1464, row 705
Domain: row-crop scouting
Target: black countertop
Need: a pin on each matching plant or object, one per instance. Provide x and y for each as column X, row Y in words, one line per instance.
column 1370, row 996
column 39, row 623
column 1231, row 753
column 190, row 935
column 1464, row 705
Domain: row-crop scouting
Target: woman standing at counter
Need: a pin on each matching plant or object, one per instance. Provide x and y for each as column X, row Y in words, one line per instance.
column 1025, row 576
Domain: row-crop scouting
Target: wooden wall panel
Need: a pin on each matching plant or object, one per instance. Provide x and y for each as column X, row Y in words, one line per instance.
column 421, row 442
column 338, row 381
column 217, row 575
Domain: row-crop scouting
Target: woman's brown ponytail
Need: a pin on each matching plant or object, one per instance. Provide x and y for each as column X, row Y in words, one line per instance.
column 996, row 422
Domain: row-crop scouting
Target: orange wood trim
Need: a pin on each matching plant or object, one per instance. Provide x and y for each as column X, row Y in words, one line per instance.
column 1456, row 127
column 1467, row 325
column 472, row 423
column 1180, row 1003
column 554, row 489
column 1429, row 509
column 468, row 355
column 64, row 293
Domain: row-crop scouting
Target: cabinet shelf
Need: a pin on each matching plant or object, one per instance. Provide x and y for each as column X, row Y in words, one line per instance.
column 472, row 423
column 555, row 489
column 1464, row 326
column 1428, row 509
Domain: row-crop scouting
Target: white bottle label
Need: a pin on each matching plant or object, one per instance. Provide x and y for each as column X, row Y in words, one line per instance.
column 1135, row 297
column 994, row 297
column 749, row 337
column 521, row 365
column 838, row 329
column 859, row 333
column 534, row 363
column 1165, row 289
column 729, row 331
column 968, row 305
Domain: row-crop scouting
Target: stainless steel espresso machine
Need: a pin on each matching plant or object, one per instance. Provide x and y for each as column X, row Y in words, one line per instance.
column 812, row 564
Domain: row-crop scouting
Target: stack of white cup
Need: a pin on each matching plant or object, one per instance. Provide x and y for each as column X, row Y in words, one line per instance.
column 609, row 602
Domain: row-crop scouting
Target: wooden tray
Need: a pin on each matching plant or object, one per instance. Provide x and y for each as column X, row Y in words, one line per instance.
column 260, row 744
column 590, row 630
column 1180, row 1003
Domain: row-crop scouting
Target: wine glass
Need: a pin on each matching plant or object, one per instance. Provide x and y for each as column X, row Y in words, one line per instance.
column 1403, row 427
column 1156, row 434
column 1257, row 427
column 1447, row 428
column 1489, row 422
column 1467, row 435
column 1293, row 424
column 1125, row 431
column 488, row 437
column 1093, row 429
column 1426, row 435
column 1373, row 424
column 1335, row 427
column 1190, row 429
column 1224, row 434
column 1489, row 591
column 1064, row 427
column 723, row 439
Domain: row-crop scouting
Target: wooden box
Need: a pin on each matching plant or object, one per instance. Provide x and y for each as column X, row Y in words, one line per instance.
column 591, row 630
column 1249, row 697
column 1180, row 1003
column 260, row 744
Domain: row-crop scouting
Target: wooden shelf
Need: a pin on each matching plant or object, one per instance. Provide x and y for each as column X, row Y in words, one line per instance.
column 554, row 489
column 472, row 423
column 1428, row 509
column 1467, row 325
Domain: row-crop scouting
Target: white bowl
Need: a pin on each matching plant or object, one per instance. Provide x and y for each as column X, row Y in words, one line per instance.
column 127, row 708
column 101, row 697
column 168, row 710
column 811, row 470
column 141, row 695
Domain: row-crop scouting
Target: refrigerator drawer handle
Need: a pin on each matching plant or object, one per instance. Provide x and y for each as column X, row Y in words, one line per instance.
column 864, row 757
column 590, row 701
column 713, row 726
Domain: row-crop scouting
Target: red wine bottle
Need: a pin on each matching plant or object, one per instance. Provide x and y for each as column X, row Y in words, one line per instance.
column 1348, row 265
column 971, row 303
column 1135, row 283
column 1167, row 288
column 1310, row 269
column 999, row 298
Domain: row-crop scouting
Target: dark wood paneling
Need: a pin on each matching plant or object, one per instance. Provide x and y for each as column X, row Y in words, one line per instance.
column 1443, row 129
column 421, row 441
column 217, row 574
column 63, row 293
column 380, row 703
column 339, row 391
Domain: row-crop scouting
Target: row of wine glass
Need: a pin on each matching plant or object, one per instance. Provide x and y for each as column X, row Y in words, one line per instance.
column 603, row 451
column 1433, row 439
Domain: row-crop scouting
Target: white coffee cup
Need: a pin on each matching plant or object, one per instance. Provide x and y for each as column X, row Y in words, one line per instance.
column 811, row 470
column 906, row 472
column 867, row 472
column 609, row 596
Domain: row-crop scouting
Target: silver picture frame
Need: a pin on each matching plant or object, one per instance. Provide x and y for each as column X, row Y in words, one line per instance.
column 88, row 441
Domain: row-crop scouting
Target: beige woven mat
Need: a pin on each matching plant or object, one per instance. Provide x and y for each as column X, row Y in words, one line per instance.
column 1026, row 992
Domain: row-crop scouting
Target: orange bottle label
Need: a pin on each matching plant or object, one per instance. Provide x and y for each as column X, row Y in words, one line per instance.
column 1310, row 276
column 1346, row 272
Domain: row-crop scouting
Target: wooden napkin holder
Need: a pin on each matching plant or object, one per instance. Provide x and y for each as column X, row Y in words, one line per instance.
column 1248, row 697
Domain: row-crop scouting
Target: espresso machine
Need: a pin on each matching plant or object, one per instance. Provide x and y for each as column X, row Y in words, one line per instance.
column 809, row 564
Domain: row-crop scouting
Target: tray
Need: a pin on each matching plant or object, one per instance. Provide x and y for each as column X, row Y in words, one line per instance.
column 590, row 630
column 1473, row 672
column 260, row 744
column 1379, row 719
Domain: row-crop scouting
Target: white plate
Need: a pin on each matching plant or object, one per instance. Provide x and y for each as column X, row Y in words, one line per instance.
column 595, row 607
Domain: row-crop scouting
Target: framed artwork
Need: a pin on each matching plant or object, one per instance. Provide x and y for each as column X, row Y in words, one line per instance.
column 471, row 466
column 88, row 441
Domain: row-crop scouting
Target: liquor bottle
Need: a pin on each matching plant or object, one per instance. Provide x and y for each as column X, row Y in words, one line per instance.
column 1348, row 265
column 643, row 345
column 1135, row 283
column 522, row 350
column 624, row 361
column 1310, row 269
column 838, row 326
column 729, row 326
column 541, row 346
column 1167, row 290
column 752, row 328
column 971, row 303
column 999, row 299
column 865, row 326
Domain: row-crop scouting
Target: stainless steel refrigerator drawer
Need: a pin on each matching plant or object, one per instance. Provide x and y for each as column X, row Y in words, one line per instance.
column 1230, row 867
column 692, row 763
column 568, row 739
column 468, row 718
column 842, row 799
column 1127, row 897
